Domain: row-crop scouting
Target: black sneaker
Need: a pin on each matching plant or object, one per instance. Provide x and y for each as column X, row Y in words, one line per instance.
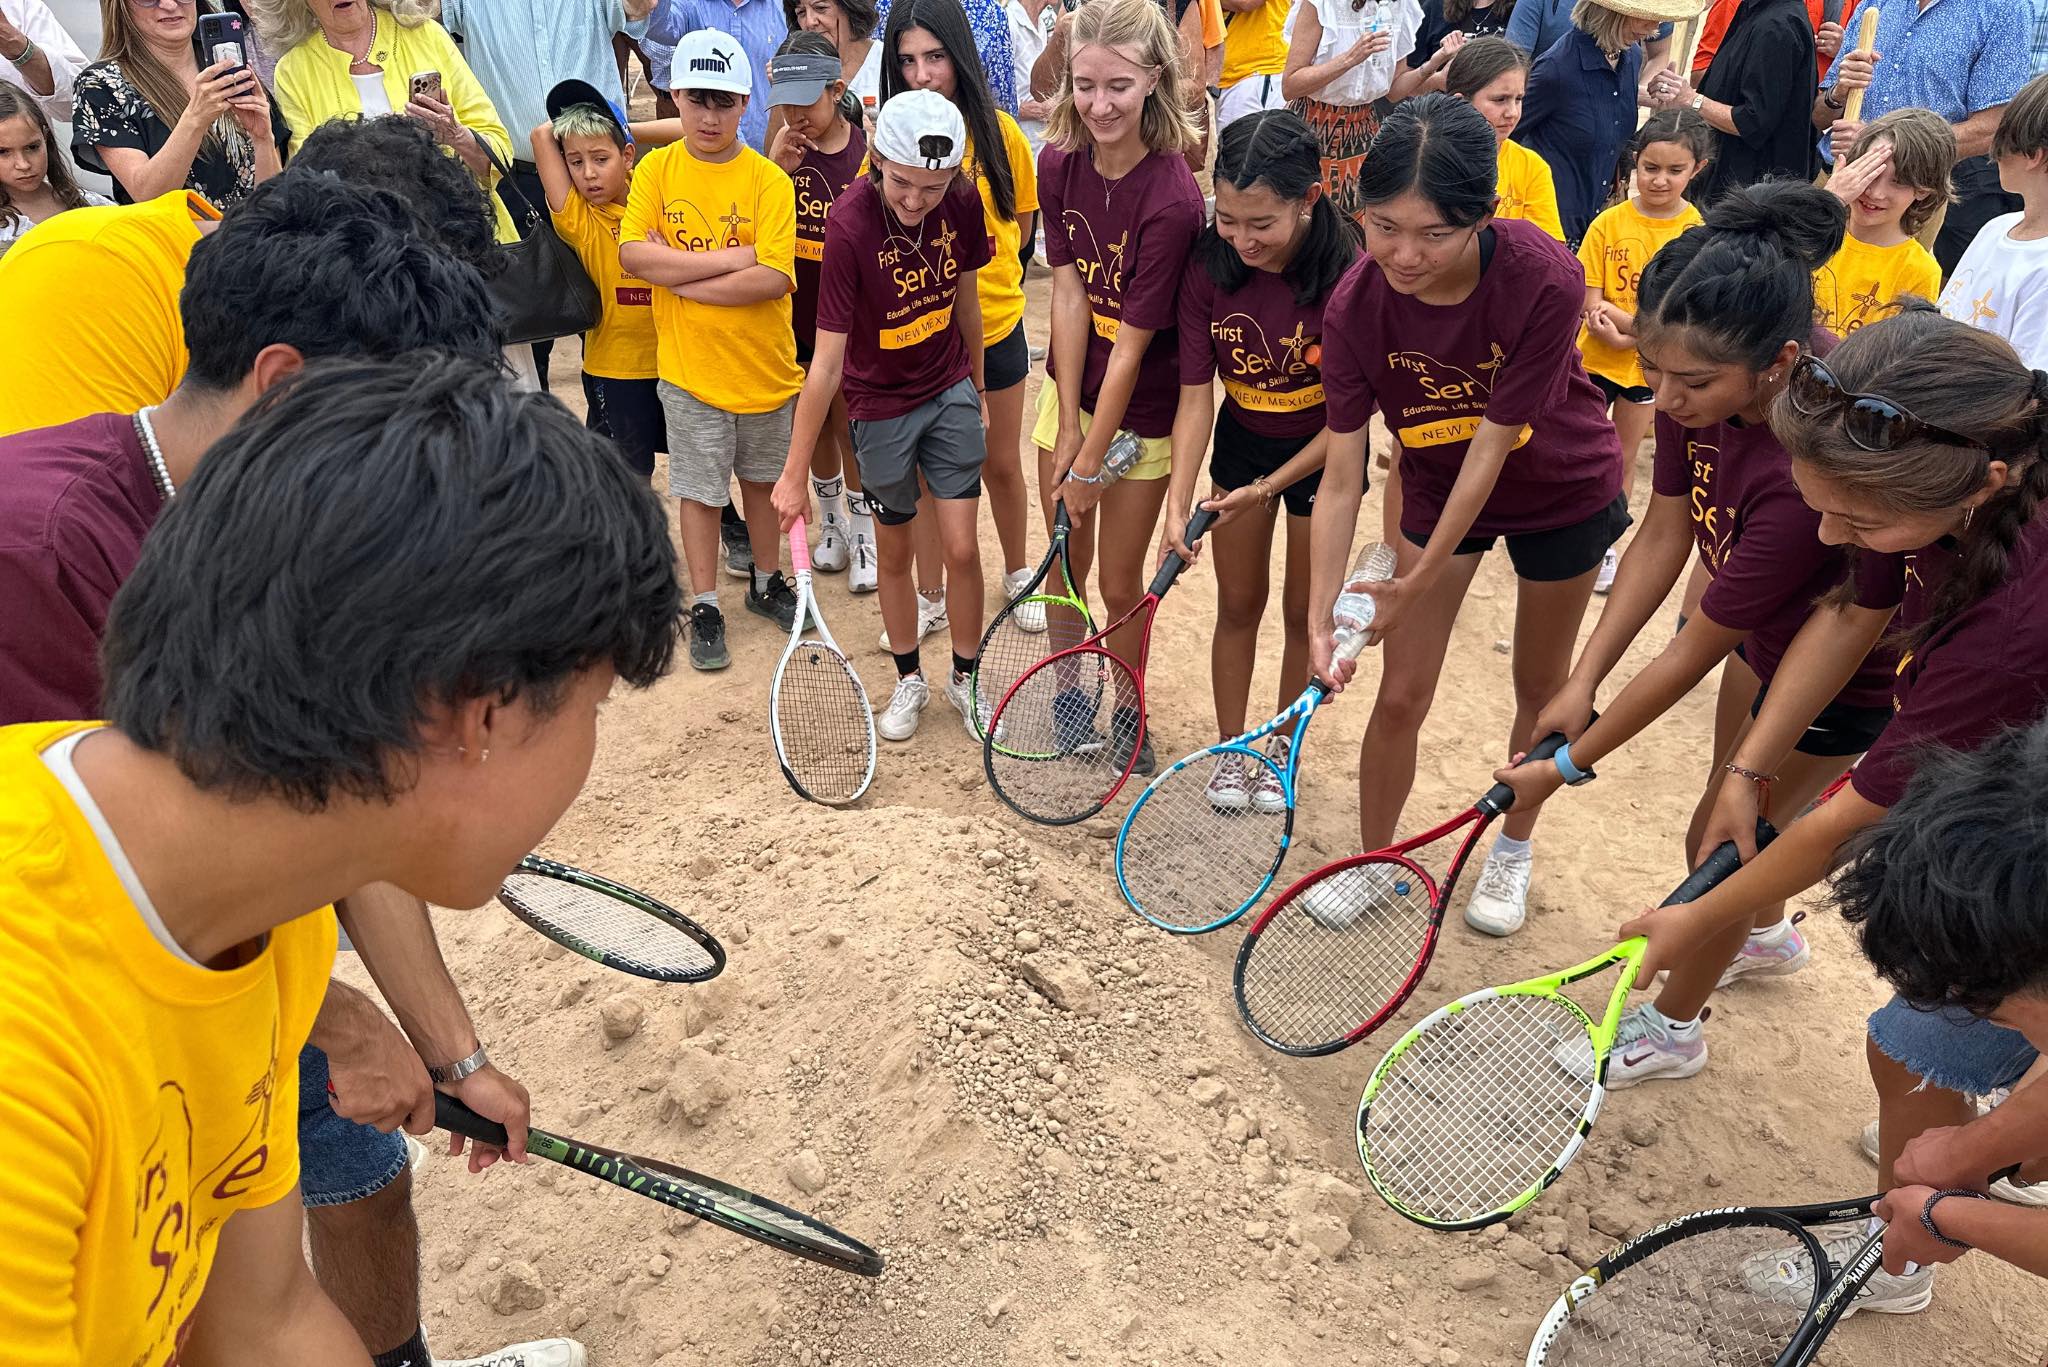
column 1123, row 726
column 707, row 638
column 739, row 552
column 776, row 602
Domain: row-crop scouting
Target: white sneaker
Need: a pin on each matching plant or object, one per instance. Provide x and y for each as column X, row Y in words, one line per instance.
column 1029, row 616
column 930, row 617
column 960, row 693
column 1758, row 959
column 539, row 1353
column 898, row 721
column 1343, row 899
column 1644, row 1048
column 1500, row 902
column 1786, row 1277
column 863, row 574
column 415, row 1153
column 831, row 555
column 1609, row 563
column 1268, row 794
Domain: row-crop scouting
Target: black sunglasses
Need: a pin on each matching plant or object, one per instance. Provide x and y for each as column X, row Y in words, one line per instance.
column 1873, row 423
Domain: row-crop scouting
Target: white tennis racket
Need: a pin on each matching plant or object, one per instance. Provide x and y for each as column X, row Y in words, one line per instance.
column 817, row 710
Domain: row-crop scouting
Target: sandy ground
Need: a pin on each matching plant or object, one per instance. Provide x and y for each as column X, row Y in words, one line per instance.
column 1137, row 1182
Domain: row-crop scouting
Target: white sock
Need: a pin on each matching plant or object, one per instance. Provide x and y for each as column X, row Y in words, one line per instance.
column 761, row 578
column 860, row 513
column 1683, row 1029
column 1772, row 935
column 707, row 599
column 1511, row 848
column 831, row 499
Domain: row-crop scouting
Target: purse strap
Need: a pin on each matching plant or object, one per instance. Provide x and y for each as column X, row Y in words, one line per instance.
column 507, row 187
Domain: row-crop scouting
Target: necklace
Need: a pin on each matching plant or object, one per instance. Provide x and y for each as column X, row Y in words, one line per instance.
column 369, row 41
column 1108, row 186
column 160, row 472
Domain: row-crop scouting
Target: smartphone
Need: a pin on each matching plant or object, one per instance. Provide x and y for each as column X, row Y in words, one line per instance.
column 425, row 83
column 219, row 37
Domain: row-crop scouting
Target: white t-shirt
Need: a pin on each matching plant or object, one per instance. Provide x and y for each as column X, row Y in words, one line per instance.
column 866, row 84
column 1027, row 43
column 1343, row 26
column 2001, row 286
column 11, row 229
column 370, row 92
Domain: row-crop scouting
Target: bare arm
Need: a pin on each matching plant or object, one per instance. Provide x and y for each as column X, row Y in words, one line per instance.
column 1051, row 64
column 967, row 317
column 554, row 172
column 649, row 133
column 660, row 264
column 1818, row 664
column 261, row 1303
column 1419, row 80
column 1070, row 327
column 813, row 406
column 636, row 10
column 751, row 285
column 1331, row 527
column 1974, row 134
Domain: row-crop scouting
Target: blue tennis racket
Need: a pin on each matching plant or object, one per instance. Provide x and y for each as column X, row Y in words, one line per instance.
column 1206, row 839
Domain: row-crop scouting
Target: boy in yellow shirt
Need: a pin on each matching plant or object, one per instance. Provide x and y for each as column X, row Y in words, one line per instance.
column 1895, row 180
column 711, row 224
column 584, row 155
column 165, row 877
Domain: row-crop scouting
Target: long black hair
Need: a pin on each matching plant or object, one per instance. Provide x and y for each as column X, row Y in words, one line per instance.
column 1443, row 149
column 946, row 21
column 1276, row 148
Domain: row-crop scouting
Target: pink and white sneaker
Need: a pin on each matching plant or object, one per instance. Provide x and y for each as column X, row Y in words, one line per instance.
column 1785, row 953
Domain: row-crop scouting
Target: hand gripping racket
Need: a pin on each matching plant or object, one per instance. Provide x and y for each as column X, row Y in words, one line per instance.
column 1742, row 1286
column 824, row 730
column 1050, row 752
column 1201, row 844
column 707, row 1198
column 1484, row 1103
column 1338, row 953
column 1032, row 625
column 610, row 923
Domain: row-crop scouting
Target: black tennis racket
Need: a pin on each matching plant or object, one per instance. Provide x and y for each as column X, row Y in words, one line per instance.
column 610, row 923
column 1045, row 617
column 707, row 1198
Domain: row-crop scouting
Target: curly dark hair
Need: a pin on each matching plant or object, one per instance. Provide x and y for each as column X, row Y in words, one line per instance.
column 398, row 154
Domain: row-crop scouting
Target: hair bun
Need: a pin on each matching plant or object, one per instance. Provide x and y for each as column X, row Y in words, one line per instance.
column 1802, row 220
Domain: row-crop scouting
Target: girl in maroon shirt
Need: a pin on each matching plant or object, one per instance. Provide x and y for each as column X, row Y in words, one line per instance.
column 1722, row 312
column 1460, row 331
column 1121, row 213
column 1251, row 311
column 1922, row 443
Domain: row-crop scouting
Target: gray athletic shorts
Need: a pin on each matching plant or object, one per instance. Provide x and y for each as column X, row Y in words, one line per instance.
column 941, row 438
column 707, row 446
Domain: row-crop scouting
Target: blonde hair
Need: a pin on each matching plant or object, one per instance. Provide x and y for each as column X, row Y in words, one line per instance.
column 1923, row 155
column 1608, row 28
column 1140, row 27
column 284, row 24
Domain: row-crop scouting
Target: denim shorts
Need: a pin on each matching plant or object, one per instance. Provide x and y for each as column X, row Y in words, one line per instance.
column 1951, row 1048
column 339, row 1160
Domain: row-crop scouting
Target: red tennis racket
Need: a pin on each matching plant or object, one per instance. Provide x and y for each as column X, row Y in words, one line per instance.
column 1067, row 735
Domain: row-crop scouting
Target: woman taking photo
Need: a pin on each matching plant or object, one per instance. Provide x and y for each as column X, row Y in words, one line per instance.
column 1251, row 310
column 1343, row 56
column 1122, row 212
column 1459, row 329
column 359, row 57
column 148, row 116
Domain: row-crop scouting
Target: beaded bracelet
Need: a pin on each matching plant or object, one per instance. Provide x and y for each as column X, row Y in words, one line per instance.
column 1927, row 1215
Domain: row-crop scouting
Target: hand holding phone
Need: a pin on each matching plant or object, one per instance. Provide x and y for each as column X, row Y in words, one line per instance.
column 425, row 83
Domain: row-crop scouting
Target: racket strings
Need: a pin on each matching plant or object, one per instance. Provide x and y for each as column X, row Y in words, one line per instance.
column 1064, row 739
column 1478, row 1107
column 749, row 1209
column 1008, row 650
column 1197, row 850
column 1335, row 954
column 1725, row 1297
column 595, row 921
column 824, row 733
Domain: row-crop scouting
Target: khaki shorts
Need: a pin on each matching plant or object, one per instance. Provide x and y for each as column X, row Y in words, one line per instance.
column 1045, row 434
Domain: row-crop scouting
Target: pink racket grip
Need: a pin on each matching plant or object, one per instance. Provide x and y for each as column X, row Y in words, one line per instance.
column 799, row 547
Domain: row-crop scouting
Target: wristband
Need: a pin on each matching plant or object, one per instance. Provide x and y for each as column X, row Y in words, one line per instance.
column 1828, row 99
column 26, row 55
column 446, row 1073
column 1567, row 770
column 1927, row 1215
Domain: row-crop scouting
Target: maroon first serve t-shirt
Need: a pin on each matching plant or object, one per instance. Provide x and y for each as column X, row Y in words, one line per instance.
column 1267, row 349
column 891, row 290
column 821, row 178
column 1508, row 353
column 75, row 504
column 1983, row 671
column 1129, row 240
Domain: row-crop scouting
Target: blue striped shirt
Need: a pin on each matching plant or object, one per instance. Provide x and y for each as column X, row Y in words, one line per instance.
column 1956, row 57
column 2039, row 47
column 757, row 25
column 521, row 49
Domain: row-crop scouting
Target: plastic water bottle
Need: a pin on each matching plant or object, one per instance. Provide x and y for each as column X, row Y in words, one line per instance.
column 1379, row 17
column 1125, row 448
column 1355, row 607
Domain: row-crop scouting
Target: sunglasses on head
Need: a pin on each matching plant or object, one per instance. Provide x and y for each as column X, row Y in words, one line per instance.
column 1872, row 422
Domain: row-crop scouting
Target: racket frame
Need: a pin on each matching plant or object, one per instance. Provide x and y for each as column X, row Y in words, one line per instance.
column 669, row 1185
column 619, row 892
column 1062, row 530
column 807, row 614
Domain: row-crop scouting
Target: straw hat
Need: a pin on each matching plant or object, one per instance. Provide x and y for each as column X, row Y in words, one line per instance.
column 1672, row 11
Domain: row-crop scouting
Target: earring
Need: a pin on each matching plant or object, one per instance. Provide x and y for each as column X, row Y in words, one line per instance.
column 485, row 757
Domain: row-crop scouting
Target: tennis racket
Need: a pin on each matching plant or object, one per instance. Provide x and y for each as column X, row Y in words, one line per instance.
column 1338, row 953
column 610, row 923
column 1745, row 1286
column 1484, row 1103
column 824, row 729
column 1196, row 806
column 1046, row 617
column 1047, row 755
column 707, row 1198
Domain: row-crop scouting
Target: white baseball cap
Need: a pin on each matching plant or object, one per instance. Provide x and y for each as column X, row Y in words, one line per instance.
column 710, row 60
column 920, row 128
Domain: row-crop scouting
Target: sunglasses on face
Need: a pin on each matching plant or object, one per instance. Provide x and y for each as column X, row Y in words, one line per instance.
column 1872, row 422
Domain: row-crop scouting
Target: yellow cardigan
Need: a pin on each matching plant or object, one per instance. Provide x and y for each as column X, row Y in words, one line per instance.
column 312, row 86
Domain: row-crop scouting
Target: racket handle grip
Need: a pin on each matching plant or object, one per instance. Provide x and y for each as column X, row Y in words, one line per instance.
column 1170, row 570
column 1061, row 523
column 456, row 1118
column 799, row 547
column 1725, row 860
column 1500, row 797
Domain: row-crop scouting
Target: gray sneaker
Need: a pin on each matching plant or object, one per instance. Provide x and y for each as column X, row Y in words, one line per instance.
column 707, row 638
column 739, row 552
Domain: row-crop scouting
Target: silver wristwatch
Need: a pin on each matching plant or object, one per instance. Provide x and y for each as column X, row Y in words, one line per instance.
column 446, row 1073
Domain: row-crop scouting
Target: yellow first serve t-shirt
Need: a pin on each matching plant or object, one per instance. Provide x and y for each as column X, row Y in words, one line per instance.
column 621, row 346
column 735, row 358
column 145, row 1099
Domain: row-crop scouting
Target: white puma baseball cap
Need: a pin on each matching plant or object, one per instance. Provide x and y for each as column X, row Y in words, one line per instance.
column 710, row 60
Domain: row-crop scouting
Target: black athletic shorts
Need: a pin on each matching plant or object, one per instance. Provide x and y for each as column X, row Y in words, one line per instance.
column 629, row 412
column 1554, row 556
column 1635, row 393
column 1841, row 730
column 1240, row 456
column 1007, row 362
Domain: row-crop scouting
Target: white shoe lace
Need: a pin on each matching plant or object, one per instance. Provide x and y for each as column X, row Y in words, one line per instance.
column 1503, row 879
column 910, row 692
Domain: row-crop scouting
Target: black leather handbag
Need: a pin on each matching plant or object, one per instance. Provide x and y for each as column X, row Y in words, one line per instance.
column 542, row 291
